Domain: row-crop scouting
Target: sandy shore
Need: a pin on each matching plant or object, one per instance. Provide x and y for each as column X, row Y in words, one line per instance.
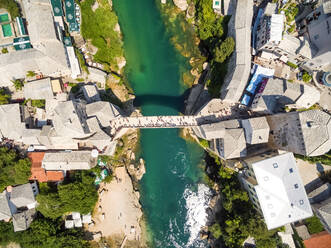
column 118, row 211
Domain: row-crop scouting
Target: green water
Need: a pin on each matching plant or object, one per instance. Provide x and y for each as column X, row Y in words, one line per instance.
column 173, row 200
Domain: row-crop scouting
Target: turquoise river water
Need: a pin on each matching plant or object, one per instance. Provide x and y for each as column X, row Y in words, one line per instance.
column 172, row 195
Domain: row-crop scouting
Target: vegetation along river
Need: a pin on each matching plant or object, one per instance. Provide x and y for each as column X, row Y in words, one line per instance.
column 172, row 195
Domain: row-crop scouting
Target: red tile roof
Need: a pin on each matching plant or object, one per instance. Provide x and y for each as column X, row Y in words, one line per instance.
column 38, row 173
column 54, row 176
column 319, row 240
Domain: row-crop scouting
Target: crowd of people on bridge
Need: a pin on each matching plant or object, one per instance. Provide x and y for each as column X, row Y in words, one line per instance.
column 154, row 122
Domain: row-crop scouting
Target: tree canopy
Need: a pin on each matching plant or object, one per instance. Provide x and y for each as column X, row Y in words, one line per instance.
column 210, row 26
column 238, row 219
column 99, row 26
column 43, row 232
column 11, row 6
column 18, row 84
column 78, row 194
column 13, row 169
column 223, row 51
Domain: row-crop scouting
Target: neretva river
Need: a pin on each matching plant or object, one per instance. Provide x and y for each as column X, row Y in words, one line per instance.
column 172, row 195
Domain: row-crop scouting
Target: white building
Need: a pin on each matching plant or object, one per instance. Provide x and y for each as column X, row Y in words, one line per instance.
column 276, row 189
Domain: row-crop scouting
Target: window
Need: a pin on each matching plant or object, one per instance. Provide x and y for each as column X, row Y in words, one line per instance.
column 272, row 215
column 289, row 216
column 296, row 186
column 316, row 37
column 301, row 202
column 291, row 170
column 275, row 165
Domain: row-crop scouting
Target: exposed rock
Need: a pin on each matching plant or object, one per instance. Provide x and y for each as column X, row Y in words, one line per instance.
column 141, row 170
column 117, row 28
column 205, row 65
column 121, row 62
column 190, row 12
column 95, row 6
column 181, row 4
column 137, row 172
column 203, row 235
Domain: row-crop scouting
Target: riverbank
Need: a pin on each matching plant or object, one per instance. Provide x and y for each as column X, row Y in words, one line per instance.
column 179, row 24
column 118, row 214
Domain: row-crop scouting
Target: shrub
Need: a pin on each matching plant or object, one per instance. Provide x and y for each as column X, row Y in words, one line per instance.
column 4, row 50
column 314, row 225
column 18, row 84
column 4, row 96
column 306, row 77
column 226, row 48
column 81, row 61
column 290, row 64
column 13, row 169
column 38, row 103
column 30, row 74
column 204, row 143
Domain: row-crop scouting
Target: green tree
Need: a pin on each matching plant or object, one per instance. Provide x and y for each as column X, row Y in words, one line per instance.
column 13, row 169
column 48, row 233
column 11, row 6
column 4, row 96
column 79, row 194
column 18, row 84
column 7, row 234
column 226, row 48
column 215, row 230
column 99, row 27
column 22, row 171
column 210, row 25
column 78, row 197
column 238, row 219
column 50, row 205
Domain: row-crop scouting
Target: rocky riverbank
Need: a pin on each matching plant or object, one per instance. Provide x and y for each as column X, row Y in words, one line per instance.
column 178, row 17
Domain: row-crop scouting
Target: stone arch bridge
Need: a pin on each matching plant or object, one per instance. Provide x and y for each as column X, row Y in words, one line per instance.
column 159, row 122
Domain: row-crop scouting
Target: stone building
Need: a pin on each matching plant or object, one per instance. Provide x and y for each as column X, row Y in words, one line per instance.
column 240, row 61
column 307, row 133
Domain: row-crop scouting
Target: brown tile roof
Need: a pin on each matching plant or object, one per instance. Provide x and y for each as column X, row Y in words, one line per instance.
column 319, row 240
column 40, row 174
